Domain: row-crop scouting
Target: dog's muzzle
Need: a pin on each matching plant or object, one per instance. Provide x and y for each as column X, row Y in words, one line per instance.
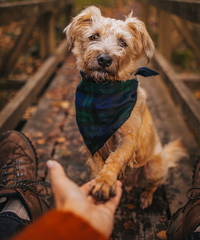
column 104, row 60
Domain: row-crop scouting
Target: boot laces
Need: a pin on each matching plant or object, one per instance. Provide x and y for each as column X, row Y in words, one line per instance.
column 24, row 183
column 196, row 196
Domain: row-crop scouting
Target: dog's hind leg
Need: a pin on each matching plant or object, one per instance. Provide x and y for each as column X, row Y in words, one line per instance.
column 155, row 172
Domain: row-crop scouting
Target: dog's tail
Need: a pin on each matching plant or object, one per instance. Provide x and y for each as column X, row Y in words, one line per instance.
column 174, row 151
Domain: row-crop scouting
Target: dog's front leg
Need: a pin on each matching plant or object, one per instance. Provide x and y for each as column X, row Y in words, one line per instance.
column 105, row 183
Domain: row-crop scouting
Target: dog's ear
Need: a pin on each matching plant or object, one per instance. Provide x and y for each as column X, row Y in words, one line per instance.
column 142, row 42
column 81, row 23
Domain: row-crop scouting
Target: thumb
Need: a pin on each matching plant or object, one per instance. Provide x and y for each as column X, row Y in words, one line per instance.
column 63, row 188
column 58, row 177
column 56, row 170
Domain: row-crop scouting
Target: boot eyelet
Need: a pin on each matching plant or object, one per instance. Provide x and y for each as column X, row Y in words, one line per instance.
column 4, row 174
column 18, row 167
column 20, row 174
column 24, row 189
column 4, row 167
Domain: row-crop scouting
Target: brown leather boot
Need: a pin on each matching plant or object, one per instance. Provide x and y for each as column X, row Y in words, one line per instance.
column 186, row 219
column 18, row 169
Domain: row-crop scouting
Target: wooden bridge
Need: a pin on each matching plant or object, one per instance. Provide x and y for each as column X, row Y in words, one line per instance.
column 53, row 131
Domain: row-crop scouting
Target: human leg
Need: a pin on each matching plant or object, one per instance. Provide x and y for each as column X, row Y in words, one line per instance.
column 20, row 200
column 185, row 222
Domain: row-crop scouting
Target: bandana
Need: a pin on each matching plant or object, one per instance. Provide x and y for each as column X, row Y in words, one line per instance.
column 102, row 108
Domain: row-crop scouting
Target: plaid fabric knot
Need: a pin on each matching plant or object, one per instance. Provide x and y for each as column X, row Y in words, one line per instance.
column 102, row 108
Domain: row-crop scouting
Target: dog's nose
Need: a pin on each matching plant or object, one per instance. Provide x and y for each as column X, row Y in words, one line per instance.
column 104, row 60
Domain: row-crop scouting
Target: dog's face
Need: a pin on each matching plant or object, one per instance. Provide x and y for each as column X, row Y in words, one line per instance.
column 105, row 48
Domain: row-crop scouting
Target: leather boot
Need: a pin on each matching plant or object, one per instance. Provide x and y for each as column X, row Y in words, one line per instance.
column 186, row 219
column 18, row 169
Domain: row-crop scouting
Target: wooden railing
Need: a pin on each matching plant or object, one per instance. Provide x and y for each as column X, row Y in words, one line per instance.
column 43, row 13
column 177, row 12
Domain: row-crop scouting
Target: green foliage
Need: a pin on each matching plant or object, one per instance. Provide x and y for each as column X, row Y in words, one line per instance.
column 182, row 57
column 84, row 3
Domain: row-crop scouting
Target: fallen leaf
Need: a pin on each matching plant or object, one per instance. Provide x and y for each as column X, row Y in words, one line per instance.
column 131, row 206
column 162, row 235
column 63, row 104
column 65, row 152
column 49, row 120
column 61, row 139
column 130, row 225
column 41, row 141
column 197, row 94
column 38, row 134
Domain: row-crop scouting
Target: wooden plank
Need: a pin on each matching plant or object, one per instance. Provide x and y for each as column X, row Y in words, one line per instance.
column 189, row 37
column 164, row 37
column 21, row 42
column 10, row 12
column 189, row 105
column 187, row 9
column 47, row 35
column 14, row 110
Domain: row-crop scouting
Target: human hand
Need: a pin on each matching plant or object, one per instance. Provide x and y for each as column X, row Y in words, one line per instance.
column 69, row 197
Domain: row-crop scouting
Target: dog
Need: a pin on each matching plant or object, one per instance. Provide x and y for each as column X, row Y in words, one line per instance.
column 108, row 50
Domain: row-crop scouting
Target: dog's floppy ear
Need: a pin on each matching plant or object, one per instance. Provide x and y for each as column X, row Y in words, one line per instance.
column 81, row 23
column 142, row 42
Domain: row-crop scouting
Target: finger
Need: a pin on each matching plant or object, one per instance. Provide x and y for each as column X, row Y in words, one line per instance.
column 87, row 187
column 56, row 170
column 119, row 183
column 113, row 202
column 59, row 180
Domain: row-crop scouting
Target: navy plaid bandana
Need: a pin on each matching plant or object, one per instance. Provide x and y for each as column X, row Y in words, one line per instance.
column 103, row 107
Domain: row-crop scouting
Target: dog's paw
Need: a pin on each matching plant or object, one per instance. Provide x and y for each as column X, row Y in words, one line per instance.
column 103, row 188
column 146, row 199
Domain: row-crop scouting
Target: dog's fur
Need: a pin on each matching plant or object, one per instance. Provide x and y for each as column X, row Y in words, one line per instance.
column 135, row 143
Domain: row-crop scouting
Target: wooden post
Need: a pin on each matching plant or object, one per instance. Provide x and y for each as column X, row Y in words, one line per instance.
column 68, row 11
column 164, row 37
column 47, row 35
column 144, row 14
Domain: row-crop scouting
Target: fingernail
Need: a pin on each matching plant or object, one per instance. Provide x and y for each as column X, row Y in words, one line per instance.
column 50, row 164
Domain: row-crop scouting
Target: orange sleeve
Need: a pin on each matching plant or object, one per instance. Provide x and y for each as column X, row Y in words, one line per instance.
column 57, row 225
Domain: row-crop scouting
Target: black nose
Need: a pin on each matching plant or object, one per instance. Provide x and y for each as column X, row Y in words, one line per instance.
column 104, row 60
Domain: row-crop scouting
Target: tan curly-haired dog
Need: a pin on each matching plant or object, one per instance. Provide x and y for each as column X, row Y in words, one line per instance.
column 107, row 49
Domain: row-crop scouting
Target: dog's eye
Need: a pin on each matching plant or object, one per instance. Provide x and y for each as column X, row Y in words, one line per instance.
column 122, row 43
column 94, row 37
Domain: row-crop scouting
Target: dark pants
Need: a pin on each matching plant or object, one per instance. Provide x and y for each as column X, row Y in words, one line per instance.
column 194, row 236
column 10, row 225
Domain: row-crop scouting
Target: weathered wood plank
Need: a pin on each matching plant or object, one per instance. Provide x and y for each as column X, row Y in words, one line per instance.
column 14, row 110
column 190, row 106
column 187, row 9
column 165, row 30
column 47, row 35
column 17, row 11
column 13, row 55
column 188, row 35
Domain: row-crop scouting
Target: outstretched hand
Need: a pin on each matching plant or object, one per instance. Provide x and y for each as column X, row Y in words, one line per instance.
column 69, row 197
